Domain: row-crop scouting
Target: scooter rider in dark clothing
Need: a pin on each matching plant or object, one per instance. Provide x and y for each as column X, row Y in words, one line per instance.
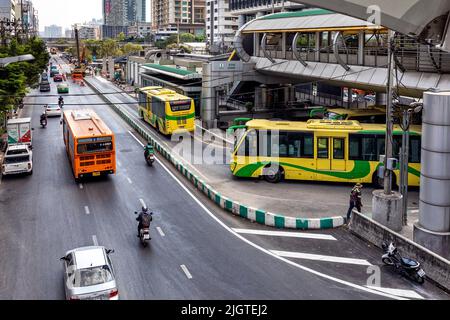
column 144, row 219
column 60, row 101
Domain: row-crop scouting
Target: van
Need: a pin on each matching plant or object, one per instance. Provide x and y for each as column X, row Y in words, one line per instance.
column 44, row 86
column 18, row 159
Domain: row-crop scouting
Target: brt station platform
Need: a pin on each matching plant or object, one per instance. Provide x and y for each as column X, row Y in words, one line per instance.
column 290, row 198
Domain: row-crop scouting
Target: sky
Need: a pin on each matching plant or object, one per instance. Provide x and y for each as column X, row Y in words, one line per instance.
column 65, row 13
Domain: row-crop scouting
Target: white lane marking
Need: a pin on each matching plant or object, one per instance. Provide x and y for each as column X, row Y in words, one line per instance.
column 184, row 162
column 129, row 180
column 414, row 211
column 317, row 273
column 86, row 210
column 81, row 186
column 160, row 231
column 186, row 271
column 94, row 239
column 135, row 138
column 318, row 257
column 286, row 234
column 143, row 203
column 119, row 163
column 228, row 141
column 399, row 292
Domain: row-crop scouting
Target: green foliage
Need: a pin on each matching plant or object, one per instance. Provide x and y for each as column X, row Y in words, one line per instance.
column 131, row 48
column 187, row 37
column 121, row 36
column 15, row 78
column 200, row 38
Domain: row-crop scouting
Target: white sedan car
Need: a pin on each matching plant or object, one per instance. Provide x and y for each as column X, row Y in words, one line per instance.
column 53, row 111
column 89, row 274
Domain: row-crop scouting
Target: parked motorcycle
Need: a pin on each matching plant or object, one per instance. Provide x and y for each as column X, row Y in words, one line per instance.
column 405, row 266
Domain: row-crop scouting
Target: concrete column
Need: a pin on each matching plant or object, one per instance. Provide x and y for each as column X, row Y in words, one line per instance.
column 433, row 228
column 317, row 47
column 241, row 20
column 287, row 90
column 361, row 42
column 208, row 110
column 380, row 98
column 263, row 96
column 349, row 97
column 283, row 45
column 111, row 67
column 256, row 43
column 259, row 14
column 104, row 68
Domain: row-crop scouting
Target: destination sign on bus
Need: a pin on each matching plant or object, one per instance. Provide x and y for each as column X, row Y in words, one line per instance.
column 94, row 139
column 180, row 105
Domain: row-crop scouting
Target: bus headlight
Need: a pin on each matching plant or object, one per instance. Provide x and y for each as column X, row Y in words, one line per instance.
column 233, row 166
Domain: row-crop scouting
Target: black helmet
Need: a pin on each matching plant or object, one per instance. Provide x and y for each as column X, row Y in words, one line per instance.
column 144, row 209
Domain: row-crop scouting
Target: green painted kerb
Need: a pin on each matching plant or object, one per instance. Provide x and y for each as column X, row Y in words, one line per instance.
column 260, row 217
column 279, row 221
column 326, row 223
column 301, row 224
column 243, row 211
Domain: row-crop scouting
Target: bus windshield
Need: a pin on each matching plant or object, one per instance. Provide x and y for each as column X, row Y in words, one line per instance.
column 180, row 105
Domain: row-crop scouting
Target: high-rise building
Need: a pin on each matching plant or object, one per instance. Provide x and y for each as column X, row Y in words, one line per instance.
column 8, row 9
column 69, row 33
column 53, row 31
column 221, row 25
column 178, row 15
column 247, row 10
column 118, row 14
column 25, row 11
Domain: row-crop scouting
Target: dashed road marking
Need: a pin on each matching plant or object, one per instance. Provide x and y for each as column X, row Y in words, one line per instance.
column 285, row 234
column 186, row 271
column 94, row 239
column 119, row 164
column 129, row 180
column 81, row 186
column 86, row 210
column 143, row 203
column 160, row 231
column 318, row 257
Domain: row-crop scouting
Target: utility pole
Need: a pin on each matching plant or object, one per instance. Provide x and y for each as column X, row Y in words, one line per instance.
column 389, row 115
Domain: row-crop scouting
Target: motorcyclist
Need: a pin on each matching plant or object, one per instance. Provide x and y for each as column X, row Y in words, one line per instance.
column 148, row 150
column 60, row 101
column 144, row 219
column 44, row 117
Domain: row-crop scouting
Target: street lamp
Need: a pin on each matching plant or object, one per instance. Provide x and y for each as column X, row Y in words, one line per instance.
column 5, row 61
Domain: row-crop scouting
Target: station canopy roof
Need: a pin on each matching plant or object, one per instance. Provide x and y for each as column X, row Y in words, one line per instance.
column 307, row 21
column 171, row 71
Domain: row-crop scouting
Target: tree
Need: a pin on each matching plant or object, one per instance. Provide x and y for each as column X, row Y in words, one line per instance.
column 108, row 47
column 187, row 37
column 121, row 37
column 200, row 38
column 131, row 48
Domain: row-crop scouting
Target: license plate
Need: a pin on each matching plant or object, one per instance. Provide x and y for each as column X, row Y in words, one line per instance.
column 146, row 236
column 96, row 174
column 421, row 273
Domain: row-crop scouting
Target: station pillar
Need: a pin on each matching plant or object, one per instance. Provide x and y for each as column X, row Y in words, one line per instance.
column 433, row 228
column 387, row 209
column 380, row 99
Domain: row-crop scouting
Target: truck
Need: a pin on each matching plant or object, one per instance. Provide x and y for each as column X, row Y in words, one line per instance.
column 19, row 131
column 18, row 159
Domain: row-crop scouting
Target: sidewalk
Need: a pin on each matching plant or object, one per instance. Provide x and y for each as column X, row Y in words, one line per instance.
column 296, row 199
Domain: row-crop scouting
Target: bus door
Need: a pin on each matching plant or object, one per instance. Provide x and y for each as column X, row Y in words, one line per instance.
column 331, row 153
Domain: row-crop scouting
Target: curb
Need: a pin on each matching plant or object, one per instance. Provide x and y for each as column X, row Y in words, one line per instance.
column 250, row 213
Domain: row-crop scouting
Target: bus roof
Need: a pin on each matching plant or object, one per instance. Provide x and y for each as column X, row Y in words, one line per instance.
column 164, row 94
column 86, row 123
column 326, row 125
column 358, row 112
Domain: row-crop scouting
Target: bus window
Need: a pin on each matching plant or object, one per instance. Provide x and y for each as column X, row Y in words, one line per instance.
column 143, row 99
column 158, row 107
column 322, row 148
column 94, row 147
column 414, row 149
column 249, row 146
column 338, row 148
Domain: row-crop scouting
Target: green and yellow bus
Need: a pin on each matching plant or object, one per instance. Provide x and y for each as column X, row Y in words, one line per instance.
column 166, row 110
column 319, row 150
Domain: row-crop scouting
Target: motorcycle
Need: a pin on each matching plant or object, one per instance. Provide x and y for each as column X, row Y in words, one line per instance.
column 150, row 158
column 144, row 235
column 43, row 122
column 405, row 266
column 60, row 103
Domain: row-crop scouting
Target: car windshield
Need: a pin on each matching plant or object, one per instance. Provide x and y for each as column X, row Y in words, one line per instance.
column 95, row 275
column 9, row 160
column 18, row 151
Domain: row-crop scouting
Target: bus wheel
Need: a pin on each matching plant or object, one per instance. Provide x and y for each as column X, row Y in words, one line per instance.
column 273, row 174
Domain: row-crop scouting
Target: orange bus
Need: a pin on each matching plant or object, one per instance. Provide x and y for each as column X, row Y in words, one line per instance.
column 89, row 144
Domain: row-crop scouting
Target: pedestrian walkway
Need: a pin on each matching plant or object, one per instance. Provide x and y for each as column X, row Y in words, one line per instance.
column 289, row 198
